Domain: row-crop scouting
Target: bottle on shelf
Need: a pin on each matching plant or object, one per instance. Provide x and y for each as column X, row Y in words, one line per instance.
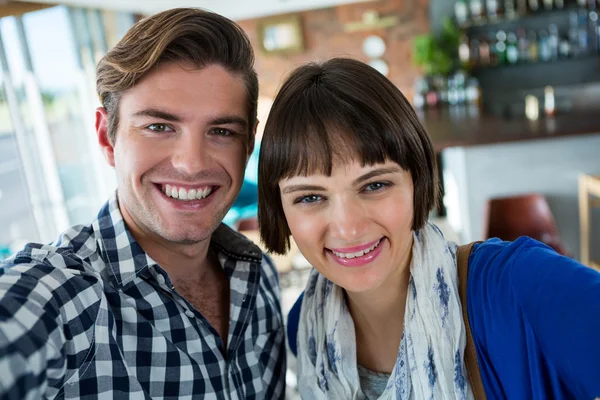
column 476, row 9
column 544, row 46
column 420, row 89
column 510, row 9
column 532, row 107
column 500, row 47
column 534, row 5
column 473, row 91
column 549, row 101
column 553, row 41
column 582, row 31
column 564, row 47
column 485, row 52
column 534, row 53
column 492, row 8
column 464, row 51
column 573, row 33
column 593, row 31
column 548, row 4
column 460, row 81
column 559, row 4
column 522, row 44
column 521, row 7
column 461, row 12
column 512, row 49
column 474, row 56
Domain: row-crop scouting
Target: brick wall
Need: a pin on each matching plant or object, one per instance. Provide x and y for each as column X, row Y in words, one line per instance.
column 324, row 37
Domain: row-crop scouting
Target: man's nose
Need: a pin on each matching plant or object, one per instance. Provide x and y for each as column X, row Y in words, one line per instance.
column 191, row 154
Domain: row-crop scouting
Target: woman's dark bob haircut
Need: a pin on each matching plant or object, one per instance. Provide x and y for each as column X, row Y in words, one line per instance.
column 340, row 110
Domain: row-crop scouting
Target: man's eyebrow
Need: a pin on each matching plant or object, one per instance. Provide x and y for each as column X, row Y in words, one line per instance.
column 376, row 172
column 167, row 116
column 301, row 188
column 230, row 119
column 155, row 113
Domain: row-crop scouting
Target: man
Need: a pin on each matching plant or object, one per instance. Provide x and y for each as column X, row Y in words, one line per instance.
column 155, row 298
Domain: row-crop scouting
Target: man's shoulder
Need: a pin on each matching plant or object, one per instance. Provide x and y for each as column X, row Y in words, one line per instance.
column 69, row 262
column 72, row 250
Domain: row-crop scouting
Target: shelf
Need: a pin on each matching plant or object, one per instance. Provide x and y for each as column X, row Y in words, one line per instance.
column 574, row 59
column 543, row 15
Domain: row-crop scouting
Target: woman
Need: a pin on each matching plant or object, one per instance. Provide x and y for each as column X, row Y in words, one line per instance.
column 348, row 170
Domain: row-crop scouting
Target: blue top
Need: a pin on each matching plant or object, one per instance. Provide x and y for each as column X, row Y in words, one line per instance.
column 535, row 320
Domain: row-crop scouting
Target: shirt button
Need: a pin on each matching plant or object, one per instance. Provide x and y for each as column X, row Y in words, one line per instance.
column 160, row 279
column 189, row 314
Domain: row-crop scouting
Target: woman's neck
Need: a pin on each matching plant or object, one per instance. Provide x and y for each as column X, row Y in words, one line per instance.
column 378, row 317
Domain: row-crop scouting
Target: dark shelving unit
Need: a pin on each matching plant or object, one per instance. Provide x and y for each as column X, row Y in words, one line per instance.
column 505, row 84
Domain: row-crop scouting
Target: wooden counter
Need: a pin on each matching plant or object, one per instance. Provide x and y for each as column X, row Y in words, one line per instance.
column 464, row 126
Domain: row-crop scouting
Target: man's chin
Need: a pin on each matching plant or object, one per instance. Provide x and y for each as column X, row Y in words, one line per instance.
column 187, row 238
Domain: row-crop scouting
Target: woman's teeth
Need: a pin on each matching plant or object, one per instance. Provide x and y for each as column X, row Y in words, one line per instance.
column 186, row 194
column 358, row 253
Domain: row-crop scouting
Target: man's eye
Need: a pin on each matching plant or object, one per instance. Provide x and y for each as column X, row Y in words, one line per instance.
column 311, row 198
column 159, row 128
column 222, row 132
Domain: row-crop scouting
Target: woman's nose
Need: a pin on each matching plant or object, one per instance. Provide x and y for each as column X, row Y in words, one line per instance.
column 348, row 220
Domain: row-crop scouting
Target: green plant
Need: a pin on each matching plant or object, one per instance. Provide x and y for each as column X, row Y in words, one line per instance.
column 438, row 55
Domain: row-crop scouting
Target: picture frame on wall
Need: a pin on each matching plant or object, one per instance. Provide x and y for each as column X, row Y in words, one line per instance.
column 281, row 35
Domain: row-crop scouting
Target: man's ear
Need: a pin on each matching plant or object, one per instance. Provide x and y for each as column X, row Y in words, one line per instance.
column 106, row 146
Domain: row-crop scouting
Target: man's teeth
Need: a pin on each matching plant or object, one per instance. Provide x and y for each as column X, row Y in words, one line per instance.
column 184, row 194
column 358, row 253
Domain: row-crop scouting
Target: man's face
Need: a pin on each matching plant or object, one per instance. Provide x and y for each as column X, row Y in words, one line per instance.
column 180, row 150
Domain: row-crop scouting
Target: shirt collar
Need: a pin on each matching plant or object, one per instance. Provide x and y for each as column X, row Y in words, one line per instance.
column 126, row 259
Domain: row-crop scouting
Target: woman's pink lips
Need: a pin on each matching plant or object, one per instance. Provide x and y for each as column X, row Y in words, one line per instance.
column 358, row 261
column 355, row 249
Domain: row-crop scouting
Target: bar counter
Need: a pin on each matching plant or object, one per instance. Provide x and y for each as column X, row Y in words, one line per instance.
column 466, row 126
column 482, row 156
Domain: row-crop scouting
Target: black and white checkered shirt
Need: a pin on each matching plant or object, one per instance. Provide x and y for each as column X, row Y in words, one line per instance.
column 92, row 316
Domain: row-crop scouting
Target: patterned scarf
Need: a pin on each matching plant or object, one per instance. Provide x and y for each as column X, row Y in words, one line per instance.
column 430, row 362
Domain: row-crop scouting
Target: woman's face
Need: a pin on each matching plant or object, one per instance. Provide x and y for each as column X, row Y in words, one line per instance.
column 354, row 226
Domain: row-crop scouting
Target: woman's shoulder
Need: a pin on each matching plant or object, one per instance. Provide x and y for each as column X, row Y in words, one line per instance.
column 293, row 319
column 524, row 274
column 521, row 258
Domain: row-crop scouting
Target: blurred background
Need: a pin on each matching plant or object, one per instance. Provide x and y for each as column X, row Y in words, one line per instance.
column 509, row 91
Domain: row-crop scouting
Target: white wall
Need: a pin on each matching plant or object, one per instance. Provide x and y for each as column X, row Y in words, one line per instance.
column 549, row 166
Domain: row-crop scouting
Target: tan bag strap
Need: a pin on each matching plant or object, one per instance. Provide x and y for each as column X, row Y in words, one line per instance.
column 462, row 261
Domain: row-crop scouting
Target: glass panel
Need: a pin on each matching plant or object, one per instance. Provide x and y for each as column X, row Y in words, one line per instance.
column 46, row 205
column 16, row 218
column 68, row 111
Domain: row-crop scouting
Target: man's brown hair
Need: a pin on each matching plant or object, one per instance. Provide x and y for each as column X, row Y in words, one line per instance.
column 339, row 110
column 191, row 35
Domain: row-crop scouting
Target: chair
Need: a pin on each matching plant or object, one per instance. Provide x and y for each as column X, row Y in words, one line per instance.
column 247, row 224
column 508, row 218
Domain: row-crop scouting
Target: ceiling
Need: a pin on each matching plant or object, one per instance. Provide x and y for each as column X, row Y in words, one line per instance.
column 233, row 9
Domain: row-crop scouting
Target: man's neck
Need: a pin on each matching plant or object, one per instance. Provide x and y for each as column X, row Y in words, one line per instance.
column 180, row 261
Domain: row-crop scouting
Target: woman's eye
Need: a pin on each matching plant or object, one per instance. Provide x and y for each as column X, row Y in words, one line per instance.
column 375, row 186
column 159, row 128
column 311, row 198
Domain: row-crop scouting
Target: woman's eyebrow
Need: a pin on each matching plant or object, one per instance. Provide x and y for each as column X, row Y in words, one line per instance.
column 301, row 188
column 376, row 172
